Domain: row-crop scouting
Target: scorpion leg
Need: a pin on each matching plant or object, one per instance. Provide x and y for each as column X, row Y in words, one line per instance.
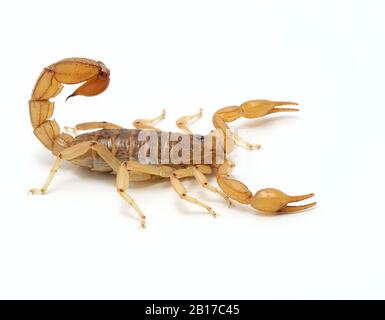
column 52, row 173
column 123, row 179
column 269, row 200
column 182, row 192
column 198, row 172
column 74, row 152
column 91, row 126
column 182, row 122
column 149, row 123
column 202, row 180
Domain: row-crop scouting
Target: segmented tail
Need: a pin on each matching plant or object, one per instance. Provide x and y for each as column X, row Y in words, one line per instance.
column 96, row 78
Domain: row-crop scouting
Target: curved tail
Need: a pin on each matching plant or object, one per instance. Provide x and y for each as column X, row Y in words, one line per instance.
column 96, row 78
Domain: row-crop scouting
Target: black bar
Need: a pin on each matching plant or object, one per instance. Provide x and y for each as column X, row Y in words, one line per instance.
column 190, row 309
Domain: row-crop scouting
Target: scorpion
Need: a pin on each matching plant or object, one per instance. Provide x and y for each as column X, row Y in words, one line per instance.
column 112, row 148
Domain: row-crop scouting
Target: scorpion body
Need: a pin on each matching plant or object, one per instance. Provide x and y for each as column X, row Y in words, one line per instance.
column 123, row 151
column 125, row 145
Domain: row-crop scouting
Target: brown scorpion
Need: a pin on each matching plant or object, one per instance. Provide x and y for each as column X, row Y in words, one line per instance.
column 120, row 151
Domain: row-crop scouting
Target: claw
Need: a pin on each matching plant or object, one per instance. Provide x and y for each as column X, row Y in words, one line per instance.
column 250, row 109
column 259, row 108
column 298, row 208
column 214, row 214
column 284, row 109
column 300, row 198
column 142, row 225
column 272, row 201
column 229, row 203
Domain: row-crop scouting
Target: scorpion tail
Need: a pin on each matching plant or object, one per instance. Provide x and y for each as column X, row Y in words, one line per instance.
column 96, row 78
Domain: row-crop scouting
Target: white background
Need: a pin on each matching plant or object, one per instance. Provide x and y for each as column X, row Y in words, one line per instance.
column 82, row 241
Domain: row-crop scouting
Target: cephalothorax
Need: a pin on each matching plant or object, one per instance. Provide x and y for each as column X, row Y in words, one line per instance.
column 146, row 153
